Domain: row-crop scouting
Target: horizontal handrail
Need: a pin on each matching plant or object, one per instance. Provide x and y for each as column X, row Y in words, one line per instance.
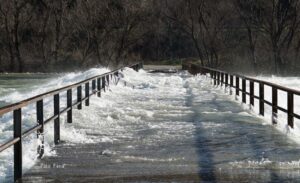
column 23, row 103
column 283, row 88
column 9, row 143
column 225, row 78
column 99, row 83
column 12, row 107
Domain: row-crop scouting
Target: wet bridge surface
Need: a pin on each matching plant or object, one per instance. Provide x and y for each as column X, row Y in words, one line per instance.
column 169, row 128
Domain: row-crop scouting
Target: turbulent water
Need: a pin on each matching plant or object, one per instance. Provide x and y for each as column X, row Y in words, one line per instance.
column 163, row 125
column 19, row 83
column 290, row 82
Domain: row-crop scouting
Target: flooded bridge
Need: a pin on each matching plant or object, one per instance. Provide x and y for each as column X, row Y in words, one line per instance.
column 156, row 127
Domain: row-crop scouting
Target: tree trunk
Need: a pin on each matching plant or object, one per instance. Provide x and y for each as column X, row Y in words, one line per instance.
column 277, row 60
column 10, row 47
column 198, row 50
column 57, row 35
column 98, row 52
column 43, row 43
column 12, row 58
column 252, row 50
column 97, row 47
column 16, row 40
column 58, row 22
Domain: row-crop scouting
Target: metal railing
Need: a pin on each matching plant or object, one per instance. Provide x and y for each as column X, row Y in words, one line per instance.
column 98, row 83
column 227, row 79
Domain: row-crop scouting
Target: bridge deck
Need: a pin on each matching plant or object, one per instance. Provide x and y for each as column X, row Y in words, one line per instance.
column 169, row 129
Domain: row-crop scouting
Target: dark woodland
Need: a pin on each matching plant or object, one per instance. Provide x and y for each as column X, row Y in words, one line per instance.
column 253, row 36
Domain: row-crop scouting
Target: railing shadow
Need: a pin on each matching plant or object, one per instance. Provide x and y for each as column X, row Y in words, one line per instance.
column 205, row 156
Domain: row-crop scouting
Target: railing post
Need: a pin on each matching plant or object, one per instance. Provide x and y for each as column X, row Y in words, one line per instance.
column 40, row 132
column 69, row 105
column 244, row 90
column 94, row 86
column 290, row 109
column 112, row 78
column 99, row 87
column 261, row 99
column 215, row 78
column 219, row 78
column 237, row 85
column 107, row 79
column 231, row 84
column 103, row 83
column 222, row 78
column 226, row 80
column 56, row 120
column 87, row 94
column 79, row 97
column 251, row 93
column 18, row 146
column 274, row 104
column 116, row 77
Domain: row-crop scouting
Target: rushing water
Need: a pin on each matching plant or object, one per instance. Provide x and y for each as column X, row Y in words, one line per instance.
column 161, row 127
column 20, row 83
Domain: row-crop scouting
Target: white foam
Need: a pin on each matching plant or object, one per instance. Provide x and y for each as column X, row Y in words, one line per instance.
column 106, row 116
column 146, row 159
column 291, row 82
column 266, row 163
column 30, row 143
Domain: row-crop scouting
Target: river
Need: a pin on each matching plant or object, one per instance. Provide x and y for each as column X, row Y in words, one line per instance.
column 158, row 128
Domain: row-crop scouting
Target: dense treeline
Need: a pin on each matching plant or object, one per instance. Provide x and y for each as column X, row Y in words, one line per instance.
column 249, row 35
column 46, row 34
column 55, row 35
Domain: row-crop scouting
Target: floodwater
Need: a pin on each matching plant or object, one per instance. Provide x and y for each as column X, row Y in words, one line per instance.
column 19, row 83
column 164, row 128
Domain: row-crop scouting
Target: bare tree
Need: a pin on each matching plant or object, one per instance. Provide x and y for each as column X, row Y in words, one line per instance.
column 48, row 34
column 279, row 21
column 249, row 13
column 204, row 22
column 15, row 16
column 7, row 40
